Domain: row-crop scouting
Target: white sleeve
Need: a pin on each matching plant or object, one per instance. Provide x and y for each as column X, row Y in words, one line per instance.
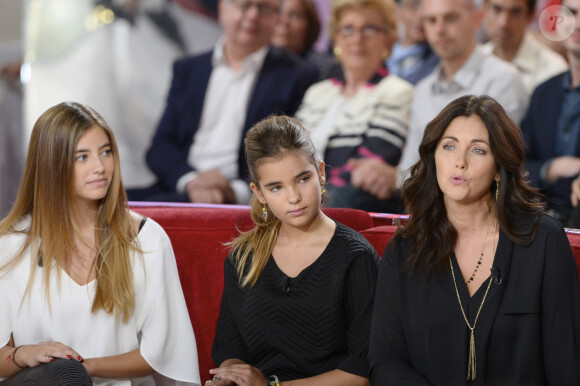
column 10, row 245
column 167, row 339
column 410, row 153
column 242, row 190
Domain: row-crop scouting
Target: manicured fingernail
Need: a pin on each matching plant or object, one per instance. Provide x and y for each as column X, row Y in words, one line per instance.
column 52, row 359
column 82, row 361
column 69, row 356
column 79, row 357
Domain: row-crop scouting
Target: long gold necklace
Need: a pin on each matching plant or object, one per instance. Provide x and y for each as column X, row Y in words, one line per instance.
column 480, row 256
column 471, row 364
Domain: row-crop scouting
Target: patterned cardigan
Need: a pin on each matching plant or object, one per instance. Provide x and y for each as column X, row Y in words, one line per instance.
column 374, row 123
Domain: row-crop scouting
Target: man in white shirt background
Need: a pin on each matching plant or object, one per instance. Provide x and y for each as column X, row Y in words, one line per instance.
column 506, row 25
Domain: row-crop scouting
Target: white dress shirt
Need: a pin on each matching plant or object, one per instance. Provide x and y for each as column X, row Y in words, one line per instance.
column 216, row 144
column 536, row 62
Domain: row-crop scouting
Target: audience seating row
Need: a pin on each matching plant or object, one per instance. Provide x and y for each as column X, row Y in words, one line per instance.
column 199, row 234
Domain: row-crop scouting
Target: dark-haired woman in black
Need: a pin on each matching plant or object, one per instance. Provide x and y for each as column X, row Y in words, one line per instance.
column 480, row 287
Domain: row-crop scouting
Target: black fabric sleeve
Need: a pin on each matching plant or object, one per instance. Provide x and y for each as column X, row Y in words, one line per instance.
column 388, row 354
column 359, row 296
column 228, row 342
column 561, row 312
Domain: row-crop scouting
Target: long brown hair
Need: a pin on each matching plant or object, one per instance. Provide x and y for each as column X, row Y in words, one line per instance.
column 47, row 198
column 270, row 139
column 313, row 22
column 433, row 235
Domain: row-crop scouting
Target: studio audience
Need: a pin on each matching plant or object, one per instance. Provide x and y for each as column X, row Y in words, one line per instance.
column 552, row 131
column 197, row 151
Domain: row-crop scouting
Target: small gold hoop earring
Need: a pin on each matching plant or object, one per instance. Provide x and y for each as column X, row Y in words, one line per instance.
column 385, row 54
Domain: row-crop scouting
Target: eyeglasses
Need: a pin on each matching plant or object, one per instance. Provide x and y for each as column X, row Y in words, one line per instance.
column 367, row 31
column 264, row 9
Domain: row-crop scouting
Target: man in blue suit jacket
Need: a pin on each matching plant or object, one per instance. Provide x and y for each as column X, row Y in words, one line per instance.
column 552, row 130
column 197, row 152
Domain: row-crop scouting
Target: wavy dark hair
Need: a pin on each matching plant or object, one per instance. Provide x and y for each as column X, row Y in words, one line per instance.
column 433, row 235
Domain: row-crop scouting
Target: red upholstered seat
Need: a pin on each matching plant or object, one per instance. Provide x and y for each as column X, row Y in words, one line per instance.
column 199, row 233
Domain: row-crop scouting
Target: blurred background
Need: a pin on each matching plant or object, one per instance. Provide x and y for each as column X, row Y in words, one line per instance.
column 114, row 55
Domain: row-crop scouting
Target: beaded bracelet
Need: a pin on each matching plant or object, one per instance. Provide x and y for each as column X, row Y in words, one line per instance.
column 273, row 381
column 12, row 360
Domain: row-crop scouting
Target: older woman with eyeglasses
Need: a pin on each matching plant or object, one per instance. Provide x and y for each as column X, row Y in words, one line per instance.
column 359, row 122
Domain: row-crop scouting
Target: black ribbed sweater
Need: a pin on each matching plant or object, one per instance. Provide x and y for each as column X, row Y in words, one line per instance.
column 307, row 325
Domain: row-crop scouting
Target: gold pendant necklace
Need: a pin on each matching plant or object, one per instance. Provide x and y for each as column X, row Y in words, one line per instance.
column 471, row 364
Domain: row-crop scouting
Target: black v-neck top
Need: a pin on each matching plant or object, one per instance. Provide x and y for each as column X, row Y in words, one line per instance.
column 304, row 326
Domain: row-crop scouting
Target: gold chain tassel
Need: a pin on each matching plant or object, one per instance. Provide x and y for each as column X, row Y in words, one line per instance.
column 471, row 369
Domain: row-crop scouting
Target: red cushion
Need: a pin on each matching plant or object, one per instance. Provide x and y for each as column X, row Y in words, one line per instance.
column 199, row 232
column 380, row 236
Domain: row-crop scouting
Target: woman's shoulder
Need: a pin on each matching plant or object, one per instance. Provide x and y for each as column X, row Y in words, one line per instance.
column 549, row 223
column 12, row 243
column 542, row 224
column 546, row 226
column 17, row 235
column 393, row 86
column 324, row 88
column 150, row 233
column 398, row 251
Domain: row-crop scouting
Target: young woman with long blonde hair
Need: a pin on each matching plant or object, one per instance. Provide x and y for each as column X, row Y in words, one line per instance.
column 90, row 291
column 298, row 287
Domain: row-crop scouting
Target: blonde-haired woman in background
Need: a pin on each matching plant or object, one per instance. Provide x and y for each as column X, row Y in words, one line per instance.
column 359, row 123
column 298, row 289
column 90, row 289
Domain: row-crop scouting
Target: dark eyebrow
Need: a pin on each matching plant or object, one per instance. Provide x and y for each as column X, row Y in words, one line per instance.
column 302, row 173
column 108, row 144
column 472, row 141
column 273, row 183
